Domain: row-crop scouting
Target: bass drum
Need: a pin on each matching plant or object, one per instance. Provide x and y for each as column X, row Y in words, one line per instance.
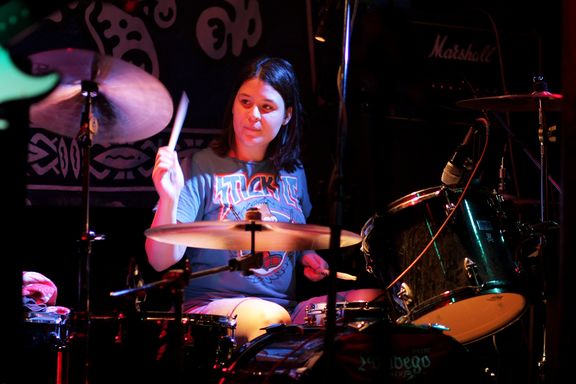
column 467, row 281
column 377, row 352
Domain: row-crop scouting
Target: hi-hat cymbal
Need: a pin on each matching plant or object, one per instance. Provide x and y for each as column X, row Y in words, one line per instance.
column 515, row 103
column 237, row 235
column 129, row 103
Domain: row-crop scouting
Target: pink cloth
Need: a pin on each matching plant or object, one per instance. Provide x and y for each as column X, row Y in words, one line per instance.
column 39, row 287
column 42, row 290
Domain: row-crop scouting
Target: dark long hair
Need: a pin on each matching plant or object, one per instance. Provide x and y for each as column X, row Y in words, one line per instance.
column 284, row 150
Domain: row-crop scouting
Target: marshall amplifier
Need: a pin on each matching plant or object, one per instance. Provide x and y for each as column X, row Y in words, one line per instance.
column 408, row 69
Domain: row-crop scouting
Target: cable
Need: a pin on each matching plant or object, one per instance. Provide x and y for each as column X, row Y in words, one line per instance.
column 454, row 209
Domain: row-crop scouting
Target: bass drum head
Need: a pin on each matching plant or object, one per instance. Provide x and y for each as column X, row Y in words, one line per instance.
column 375, row 353
column 476, row 316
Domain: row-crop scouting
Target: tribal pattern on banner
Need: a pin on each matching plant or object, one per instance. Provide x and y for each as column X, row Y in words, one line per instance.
column 191, row 46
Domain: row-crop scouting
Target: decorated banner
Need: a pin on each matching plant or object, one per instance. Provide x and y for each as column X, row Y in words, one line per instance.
column 139, row 47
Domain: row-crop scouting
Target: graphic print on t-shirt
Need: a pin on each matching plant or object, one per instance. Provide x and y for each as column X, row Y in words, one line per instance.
column 277, row 202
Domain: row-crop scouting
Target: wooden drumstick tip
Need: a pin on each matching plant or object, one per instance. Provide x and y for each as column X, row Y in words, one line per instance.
column 345, row 276
column 340, row 275
column 178, row 120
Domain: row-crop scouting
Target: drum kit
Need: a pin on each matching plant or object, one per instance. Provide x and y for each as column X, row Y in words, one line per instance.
column 466, row 288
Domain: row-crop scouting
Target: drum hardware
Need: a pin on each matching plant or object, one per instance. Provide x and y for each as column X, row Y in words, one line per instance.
column 405, row 294
column 407, row 299
column 212, row 336
column 47, row 342
column 351, row 313
column 457, row 281
column 57, row 327
column 134, row 279
column 375, row 352
column 251, row 233
column 119, row 336
column 99, row 100
column 540, row 101
column 450, row 207
column 471, row 269
column 174, row 279
column 177, row 279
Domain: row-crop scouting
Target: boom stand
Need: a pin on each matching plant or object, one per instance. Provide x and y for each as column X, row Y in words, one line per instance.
column 336, row 187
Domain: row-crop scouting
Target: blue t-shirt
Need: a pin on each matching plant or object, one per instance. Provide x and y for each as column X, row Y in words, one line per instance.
column 223, row 188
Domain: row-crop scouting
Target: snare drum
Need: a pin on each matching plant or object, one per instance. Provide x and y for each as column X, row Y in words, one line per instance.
column 316, row 313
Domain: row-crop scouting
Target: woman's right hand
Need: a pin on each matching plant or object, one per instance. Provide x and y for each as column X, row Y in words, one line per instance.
column 167, row 174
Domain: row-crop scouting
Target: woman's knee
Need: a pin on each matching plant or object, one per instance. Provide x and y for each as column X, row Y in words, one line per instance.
column 262, row 311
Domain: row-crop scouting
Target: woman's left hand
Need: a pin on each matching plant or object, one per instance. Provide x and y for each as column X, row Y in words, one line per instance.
column 315, row 267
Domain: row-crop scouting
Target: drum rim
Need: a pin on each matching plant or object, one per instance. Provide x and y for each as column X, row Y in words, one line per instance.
column 457, row 295
column 191, row 318
column 345, row 304
column 45, row 318
column 418, row 196
column 414, row 198
column 417, row 315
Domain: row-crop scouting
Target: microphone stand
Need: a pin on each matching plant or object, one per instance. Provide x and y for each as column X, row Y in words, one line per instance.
column 336, row 187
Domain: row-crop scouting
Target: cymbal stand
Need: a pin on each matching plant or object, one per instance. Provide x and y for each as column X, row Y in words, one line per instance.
column 336, row 188
column 538, row 368
column 88, row 127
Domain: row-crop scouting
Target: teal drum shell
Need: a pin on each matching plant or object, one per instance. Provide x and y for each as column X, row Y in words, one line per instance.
column 457, row 273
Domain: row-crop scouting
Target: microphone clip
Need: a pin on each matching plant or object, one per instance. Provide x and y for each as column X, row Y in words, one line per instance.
column 462, row 160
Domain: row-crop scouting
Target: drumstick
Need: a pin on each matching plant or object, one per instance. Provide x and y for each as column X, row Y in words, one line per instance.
column 178, row 121
column 339, row 275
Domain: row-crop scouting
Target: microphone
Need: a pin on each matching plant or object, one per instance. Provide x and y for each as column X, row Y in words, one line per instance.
column 460, row 161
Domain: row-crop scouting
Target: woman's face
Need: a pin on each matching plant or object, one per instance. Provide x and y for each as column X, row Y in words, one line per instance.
column 259, row 112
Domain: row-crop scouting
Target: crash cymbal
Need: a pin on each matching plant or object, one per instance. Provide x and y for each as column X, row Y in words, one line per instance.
column 237, row 235
column 515, row 103
column 129, row 103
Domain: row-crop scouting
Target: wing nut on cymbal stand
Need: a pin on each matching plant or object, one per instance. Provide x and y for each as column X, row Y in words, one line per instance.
column 254, row 259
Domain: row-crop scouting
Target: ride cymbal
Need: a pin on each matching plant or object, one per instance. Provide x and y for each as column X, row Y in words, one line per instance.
column 237, row 235
column 128, row 103
column 515, row 103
